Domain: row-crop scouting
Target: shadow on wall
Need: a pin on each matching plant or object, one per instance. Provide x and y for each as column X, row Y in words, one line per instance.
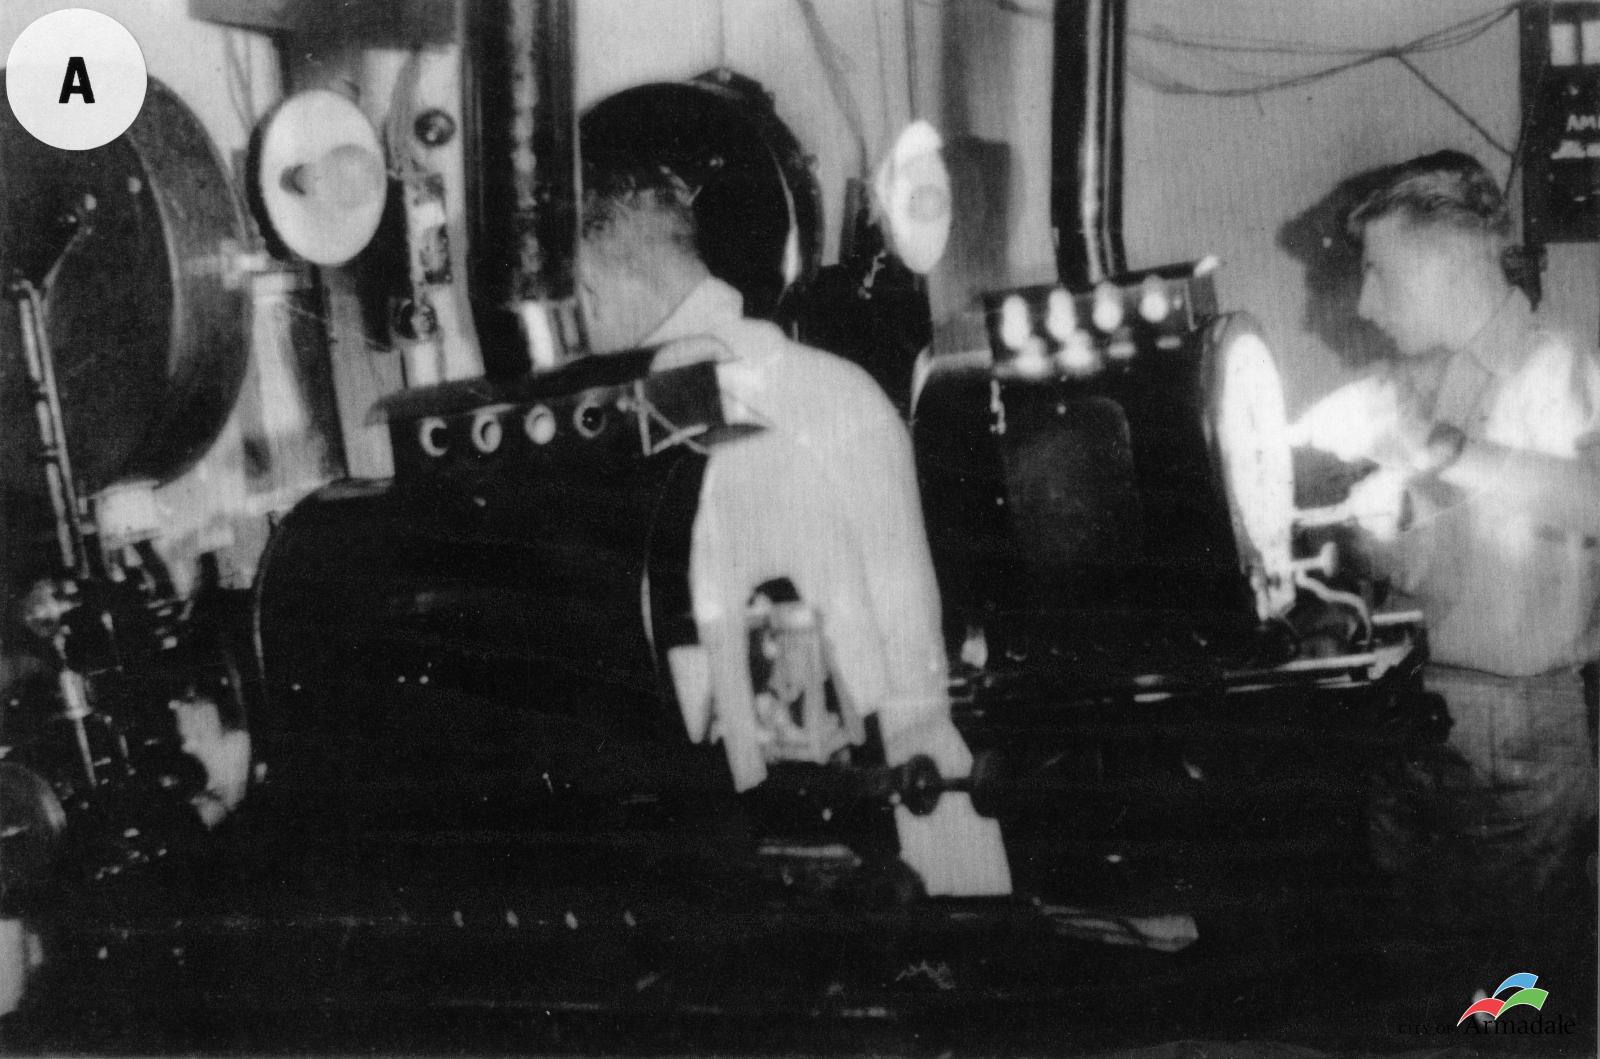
column 980, row 206
column 1317, row 239
column 978, row 96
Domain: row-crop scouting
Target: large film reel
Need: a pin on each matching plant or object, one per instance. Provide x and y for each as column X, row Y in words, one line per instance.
column 145, row 319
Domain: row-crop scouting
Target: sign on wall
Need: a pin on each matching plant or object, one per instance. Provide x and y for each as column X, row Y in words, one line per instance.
column 1561, row 109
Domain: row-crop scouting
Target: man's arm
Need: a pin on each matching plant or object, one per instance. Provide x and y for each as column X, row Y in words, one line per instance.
column 880, row 493
column 953, row 850
column 1551, row 490
column 1551, row 417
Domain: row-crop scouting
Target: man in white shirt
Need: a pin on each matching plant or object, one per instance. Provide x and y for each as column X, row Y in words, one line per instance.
column 824, row 495
column 1484, row 428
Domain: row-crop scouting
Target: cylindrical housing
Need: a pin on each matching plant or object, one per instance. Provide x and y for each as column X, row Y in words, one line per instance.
column 451, row 648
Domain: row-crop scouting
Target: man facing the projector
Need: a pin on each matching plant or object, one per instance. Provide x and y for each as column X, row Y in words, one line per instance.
column 1484, row 429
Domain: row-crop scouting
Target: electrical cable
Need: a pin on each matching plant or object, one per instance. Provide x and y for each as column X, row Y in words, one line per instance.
column 838, row 83
column 909, row 16
column 379, row 385
column 722, row 34
column 1528, row 102
column 1452, row 36
column 1447, row 37
column 1460, row 111
column 879, row 40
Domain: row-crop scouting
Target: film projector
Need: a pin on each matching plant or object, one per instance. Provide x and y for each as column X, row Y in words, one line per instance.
column 1125, row 456
column 127, row 735
column 1110, row 503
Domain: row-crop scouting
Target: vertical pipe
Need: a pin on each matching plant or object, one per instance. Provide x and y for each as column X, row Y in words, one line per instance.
column 522, row 156
column 545, row 125
column 1086, row 152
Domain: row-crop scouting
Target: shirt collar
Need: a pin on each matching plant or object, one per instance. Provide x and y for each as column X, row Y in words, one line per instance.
column 709, row 306
column 1502, row 342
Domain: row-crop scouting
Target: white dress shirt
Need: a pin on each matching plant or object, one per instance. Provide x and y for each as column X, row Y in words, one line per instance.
column 826, row 496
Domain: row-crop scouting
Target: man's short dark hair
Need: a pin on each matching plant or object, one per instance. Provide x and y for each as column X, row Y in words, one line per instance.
column 629, row 206
column 1444, row 189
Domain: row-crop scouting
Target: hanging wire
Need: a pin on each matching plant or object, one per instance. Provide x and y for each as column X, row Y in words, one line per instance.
column 1461, row 112
column 1452, row 36
column 722, row 34
column 879, row 40
column 1447, row 37
column 909, row 14
column 1529, row 100
column 838, row 83
column 379, row 385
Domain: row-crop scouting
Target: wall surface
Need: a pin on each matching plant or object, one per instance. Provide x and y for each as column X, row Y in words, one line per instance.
column 1221, row 175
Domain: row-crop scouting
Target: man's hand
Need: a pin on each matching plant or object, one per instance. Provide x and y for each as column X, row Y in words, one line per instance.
column 1401, row 442
column 1376, row 504
column 1379, row 420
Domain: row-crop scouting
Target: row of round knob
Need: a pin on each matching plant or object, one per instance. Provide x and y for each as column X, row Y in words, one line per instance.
column 1107, row 312
column 1077, row 353
column 540, row 424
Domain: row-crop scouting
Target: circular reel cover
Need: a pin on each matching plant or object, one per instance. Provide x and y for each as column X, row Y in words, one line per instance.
column 1249, row 431
column 145, row 320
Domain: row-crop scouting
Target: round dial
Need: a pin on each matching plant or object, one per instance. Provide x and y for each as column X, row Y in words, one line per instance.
column 1250, row 426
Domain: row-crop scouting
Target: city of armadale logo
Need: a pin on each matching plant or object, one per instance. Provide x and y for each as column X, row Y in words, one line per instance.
column 1516, row 1007
column 1493, row 1013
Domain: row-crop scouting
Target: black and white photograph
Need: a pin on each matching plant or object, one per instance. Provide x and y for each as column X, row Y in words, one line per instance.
column 927, row 528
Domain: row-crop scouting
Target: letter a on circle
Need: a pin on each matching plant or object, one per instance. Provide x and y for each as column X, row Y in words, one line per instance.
column 51, row 90
column 76, row 81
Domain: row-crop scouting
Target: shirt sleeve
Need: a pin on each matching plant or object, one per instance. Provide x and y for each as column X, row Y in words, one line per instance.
column 1553, row 406
column 877, row 491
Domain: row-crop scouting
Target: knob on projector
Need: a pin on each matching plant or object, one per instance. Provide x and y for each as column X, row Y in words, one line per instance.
column 320, row 172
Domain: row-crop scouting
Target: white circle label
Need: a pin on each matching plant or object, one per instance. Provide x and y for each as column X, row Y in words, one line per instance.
column 76, row 79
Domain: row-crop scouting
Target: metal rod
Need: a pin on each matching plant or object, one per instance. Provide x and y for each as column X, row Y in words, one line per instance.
column 52, row 427
column 76, row 709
